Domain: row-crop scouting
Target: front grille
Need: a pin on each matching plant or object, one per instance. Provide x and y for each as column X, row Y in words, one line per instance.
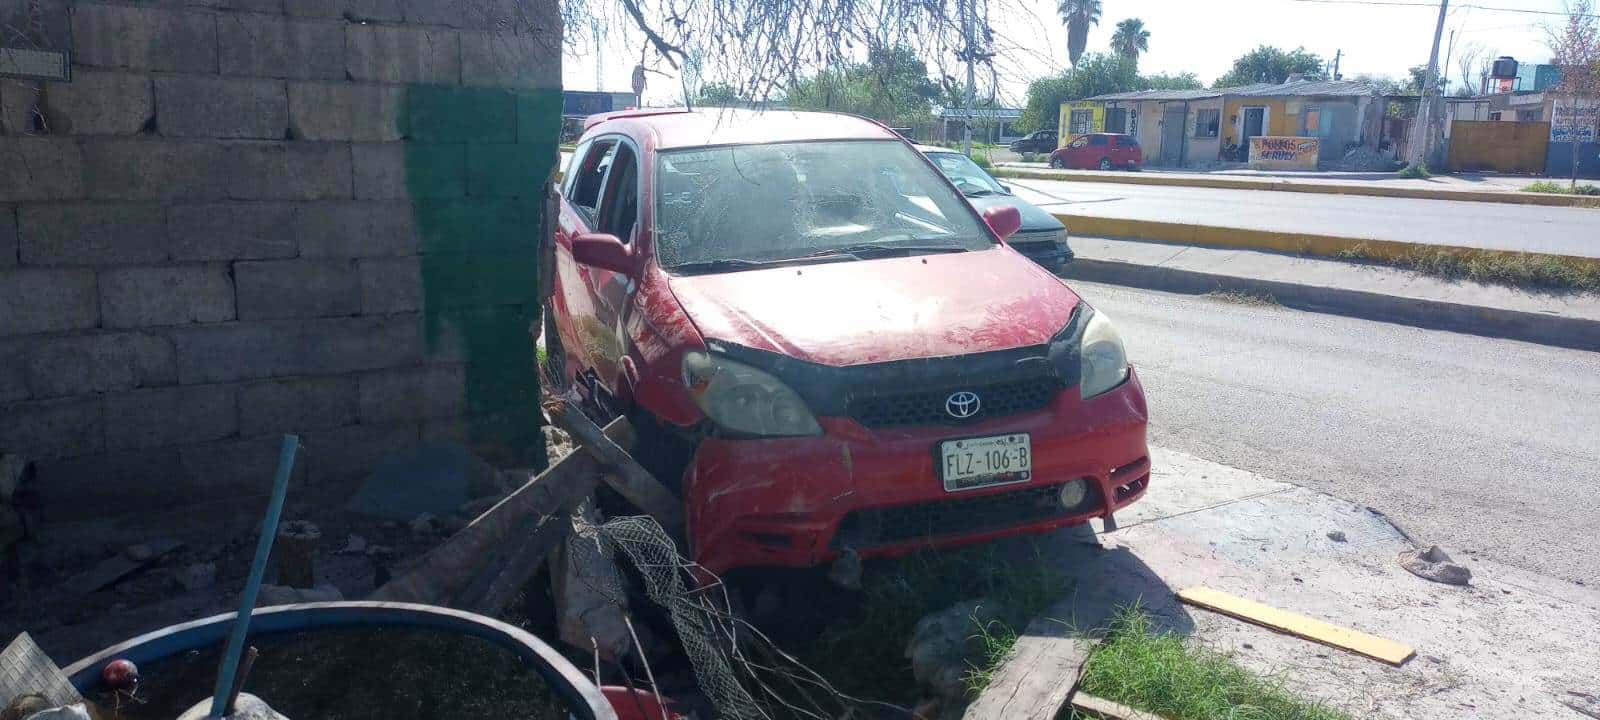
column 927, row 407
column 963, row 516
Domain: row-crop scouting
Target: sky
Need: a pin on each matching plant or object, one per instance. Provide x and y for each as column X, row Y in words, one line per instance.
column 1194, row 36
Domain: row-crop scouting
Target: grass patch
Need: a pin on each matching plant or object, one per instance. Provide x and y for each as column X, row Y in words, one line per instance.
column 1418, row 171
column 1522, row 270
column 1162, row 673
column 862, row 650
column 1244, row 297
column 982, row 159
column 1547, row 186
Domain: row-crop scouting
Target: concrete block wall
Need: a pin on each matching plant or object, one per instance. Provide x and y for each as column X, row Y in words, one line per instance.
column 242, row 218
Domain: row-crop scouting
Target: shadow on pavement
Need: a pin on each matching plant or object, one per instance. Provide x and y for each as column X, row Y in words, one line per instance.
column 1105, row 581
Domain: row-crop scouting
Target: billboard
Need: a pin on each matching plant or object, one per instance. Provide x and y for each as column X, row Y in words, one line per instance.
column 1574, row 120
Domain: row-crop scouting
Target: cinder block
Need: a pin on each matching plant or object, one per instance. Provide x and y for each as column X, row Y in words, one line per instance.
column 103, row 362
column 40, row 169
column 514, row 170
column 402, row 54
column 341, row 345
column 538, row 115
column 8, row 237
column 295, row 405
column 288, row 171
column 361, row 229
column 270, row 7
column 456, row 114
column 232, row 231
column 218, row 107
column 19, row 100
column 478, row 225
column 237, row 467
column 506, row 60
column 93, row 234
column 14, row 369
column 450, row 13
column 232, row 351
column 391, row 285
column 275, row 47
column 349, row 453
column 153, row 169
column 51, row 300
column 53, row 428
column 170, row 416
column 436, row 391
column 273, row 289
column 144, row 38
column 104, row 486
column 481, row 280
column 53, row 19
column 94, row 103
column 342, row 111
column 356, row 11
column 175, row 295
column 396, row 171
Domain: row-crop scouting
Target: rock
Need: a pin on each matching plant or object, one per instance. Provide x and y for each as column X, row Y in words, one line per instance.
column 354, row 546
column 247, row 707
column 1336, row 536
column 1434, row 564
column 846, row 571
column 197, row 576
column 589, row 592
column 139, row 553
column 946, row 645
column 423, row 524
column 558, row 444
column 284, row 595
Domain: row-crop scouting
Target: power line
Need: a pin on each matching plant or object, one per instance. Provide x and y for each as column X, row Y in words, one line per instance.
column 1404, row 3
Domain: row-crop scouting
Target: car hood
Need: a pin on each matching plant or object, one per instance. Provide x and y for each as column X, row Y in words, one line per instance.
column 1034, row 218
column 869, row 311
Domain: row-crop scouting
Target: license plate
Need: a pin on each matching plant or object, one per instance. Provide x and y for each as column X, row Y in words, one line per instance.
column 985, row 461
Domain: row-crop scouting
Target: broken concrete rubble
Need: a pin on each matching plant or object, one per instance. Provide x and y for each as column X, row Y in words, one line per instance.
column 947, row 645
column 591, row 602
column 1432, row 563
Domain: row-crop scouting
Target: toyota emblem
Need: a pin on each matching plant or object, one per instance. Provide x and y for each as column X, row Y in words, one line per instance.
column 962, row 405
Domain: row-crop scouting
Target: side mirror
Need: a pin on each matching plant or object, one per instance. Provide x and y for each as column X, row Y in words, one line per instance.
column 603, row 251
column 1004, row 221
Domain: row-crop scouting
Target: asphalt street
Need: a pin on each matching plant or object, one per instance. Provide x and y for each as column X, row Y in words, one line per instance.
column 1499, row 226
column 1488, row 447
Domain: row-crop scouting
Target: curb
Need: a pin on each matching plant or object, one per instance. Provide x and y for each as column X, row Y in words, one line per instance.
column 1273, row 241
column 1566, row 332
column 1508, row 197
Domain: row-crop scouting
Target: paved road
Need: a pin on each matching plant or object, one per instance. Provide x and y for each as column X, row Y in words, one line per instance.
column 1482, row 445
column 1564, row 231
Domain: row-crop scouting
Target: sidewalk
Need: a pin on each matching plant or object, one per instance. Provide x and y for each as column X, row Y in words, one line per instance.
column 1345, row 288
column 1464, row 186
column 1511, row 644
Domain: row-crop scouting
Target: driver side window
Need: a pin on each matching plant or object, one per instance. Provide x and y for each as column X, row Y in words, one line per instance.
column 620, row 211
column 589, row 179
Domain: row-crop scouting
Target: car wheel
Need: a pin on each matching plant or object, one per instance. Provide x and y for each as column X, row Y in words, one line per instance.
column 1105, row 163
column 1055, row 162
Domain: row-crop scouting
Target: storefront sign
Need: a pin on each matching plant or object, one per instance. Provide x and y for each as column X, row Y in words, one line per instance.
column 1285, row 153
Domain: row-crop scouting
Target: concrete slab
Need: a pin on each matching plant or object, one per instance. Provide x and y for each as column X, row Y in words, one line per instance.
column 1511, row 644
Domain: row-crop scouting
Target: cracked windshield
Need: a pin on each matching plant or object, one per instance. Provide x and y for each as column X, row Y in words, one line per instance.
column 799, row 359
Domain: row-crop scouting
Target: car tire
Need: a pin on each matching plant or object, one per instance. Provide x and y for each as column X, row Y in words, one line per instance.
column 1055, row 162
column 1105, row 163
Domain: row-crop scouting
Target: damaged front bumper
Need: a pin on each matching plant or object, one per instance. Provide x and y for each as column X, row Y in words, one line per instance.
column 800, row 502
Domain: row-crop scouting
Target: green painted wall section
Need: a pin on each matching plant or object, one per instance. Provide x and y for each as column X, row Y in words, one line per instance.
column 480, row 247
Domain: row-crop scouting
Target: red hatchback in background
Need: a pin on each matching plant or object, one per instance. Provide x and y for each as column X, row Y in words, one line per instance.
column 1099, row 151
column 824, row 348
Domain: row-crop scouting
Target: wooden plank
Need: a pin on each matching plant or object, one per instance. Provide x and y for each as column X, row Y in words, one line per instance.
column 448, row 570
column 499, row 584
column 628, row 478
column 1037, row 679
column 1109, row 710
column 112, row 569
column 1299, row 625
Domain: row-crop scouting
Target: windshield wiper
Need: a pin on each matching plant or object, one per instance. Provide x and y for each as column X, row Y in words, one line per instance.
column 736, row 264
column 984, row 192
column 865, row 250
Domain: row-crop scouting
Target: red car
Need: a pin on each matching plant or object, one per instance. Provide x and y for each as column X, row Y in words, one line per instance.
column 1099, row 151
column 824, row 347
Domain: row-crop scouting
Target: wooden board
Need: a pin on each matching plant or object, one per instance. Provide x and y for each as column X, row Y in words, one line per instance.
column 1109, row 710
column 112, row 569
column 1299, row 625
column 1037, row 679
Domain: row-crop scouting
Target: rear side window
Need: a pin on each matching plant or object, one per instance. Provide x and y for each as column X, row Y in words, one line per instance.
column 590, row 177
column 1126, row 141
column 1097, row 140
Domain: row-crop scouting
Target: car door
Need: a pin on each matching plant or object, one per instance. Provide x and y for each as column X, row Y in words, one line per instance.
column 601, row 197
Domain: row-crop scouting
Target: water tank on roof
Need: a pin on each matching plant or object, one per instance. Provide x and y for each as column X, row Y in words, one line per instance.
column 1505, row 67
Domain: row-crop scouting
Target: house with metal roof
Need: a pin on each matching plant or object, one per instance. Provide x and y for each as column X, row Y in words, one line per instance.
column 1176, row 128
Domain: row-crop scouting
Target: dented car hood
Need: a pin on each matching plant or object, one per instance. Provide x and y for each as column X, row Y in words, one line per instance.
column 869, row 311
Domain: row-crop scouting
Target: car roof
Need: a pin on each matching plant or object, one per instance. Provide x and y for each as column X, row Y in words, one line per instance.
column 739, row 126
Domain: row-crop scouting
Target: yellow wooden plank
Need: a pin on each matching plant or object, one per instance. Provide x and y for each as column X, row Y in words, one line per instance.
column 1110, row 710
column 1299, row 625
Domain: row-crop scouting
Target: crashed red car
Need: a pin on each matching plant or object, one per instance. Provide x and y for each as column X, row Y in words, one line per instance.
column 824, row 347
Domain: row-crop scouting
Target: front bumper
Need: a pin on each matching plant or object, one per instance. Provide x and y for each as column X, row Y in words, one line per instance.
column 799, row 502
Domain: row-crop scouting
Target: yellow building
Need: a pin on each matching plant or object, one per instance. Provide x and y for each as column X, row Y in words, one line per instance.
column 1080, row 118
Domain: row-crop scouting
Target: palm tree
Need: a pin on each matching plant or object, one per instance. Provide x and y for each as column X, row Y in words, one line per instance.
column 1078, row 15
column 1130, row 39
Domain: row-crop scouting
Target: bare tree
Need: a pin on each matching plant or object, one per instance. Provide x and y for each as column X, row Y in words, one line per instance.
column 1575, row 46
column 1472, row 62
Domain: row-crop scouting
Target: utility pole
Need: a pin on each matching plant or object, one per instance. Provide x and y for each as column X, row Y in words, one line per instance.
column 1419, row 133
column 1336, row 55
column 967, row 21
column 598, row 53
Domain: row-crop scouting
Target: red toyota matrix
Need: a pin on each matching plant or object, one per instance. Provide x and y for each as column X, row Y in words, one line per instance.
column 824, row 347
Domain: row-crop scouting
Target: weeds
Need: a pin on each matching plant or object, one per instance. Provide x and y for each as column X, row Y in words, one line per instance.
column 1244, row 297
column 1547, row 186
column 1536, row 270
column 997, row 639
column 1418, row 171
column 1161, row 673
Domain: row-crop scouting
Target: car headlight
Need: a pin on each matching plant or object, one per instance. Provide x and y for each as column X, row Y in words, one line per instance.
column 744, row 400
column 1102, row 362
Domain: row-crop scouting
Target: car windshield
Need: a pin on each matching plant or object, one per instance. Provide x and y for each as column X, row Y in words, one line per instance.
column 967, row 176
column 777, row 202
